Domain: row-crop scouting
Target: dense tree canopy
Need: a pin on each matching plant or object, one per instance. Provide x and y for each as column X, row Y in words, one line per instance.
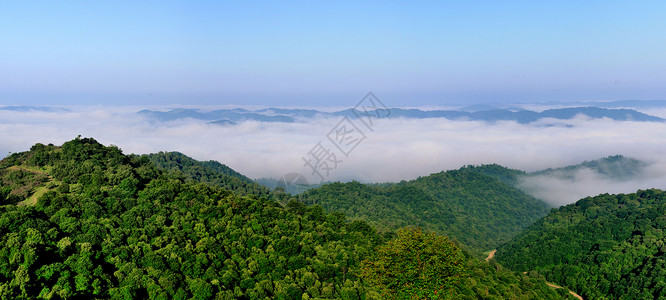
column 608, row 246
column 110, row 225
column 95, row 223
column 416, row 265
column 209, row 172
column 478, row 210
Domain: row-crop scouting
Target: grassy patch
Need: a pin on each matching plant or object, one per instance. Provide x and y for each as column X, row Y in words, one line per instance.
column 32, row 200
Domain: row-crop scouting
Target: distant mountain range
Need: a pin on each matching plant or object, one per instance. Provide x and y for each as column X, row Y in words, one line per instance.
column 476, row 113
column 34, row 108
column 616, row 104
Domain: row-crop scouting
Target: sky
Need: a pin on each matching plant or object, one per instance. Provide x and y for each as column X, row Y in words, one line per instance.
column 316, row 53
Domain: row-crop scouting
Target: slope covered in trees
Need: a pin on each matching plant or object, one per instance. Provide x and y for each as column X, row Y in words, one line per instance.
column 478, row 210
column 419, row 265
column 608, row 246
column 108, row 225
column 615, row 167
column 208, row 172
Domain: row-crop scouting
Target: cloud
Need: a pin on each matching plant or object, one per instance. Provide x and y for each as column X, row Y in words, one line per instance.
column 394, row 150
column 586, row 183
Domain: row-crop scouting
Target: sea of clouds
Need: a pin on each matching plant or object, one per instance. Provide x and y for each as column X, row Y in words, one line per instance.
column 394, row 150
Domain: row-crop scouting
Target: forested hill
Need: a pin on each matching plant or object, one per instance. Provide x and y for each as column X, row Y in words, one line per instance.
column 616, row 167
column 478, row 210
column 109, row 225
column 504, row 174
column 209, row 172
column 93, row 223
column 608, row 246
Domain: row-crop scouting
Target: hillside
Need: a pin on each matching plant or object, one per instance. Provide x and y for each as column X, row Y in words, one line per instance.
column 208, row 172
column 564, row 185
column 108, row 225
column 608, row 246
column 111, row 225
column 616, row 167
column 478, row 210
column 503, row 174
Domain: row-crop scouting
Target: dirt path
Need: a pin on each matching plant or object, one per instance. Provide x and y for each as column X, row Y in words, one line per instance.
column 491, row 255
column 38, row 190
column 559, row 287
column 33, row 170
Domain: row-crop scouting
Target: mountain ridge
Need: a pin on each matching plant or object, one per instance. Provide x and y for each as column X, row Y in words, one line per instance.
column 493, row 115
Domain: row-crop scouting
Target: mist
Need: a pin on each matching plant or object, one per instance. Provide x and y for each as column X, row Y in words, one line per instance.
column 586, row 182
column 394, row 150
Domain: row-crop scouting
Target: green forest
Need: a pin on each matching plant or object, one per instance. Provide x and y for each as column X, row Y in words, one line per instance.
column 608, row 246
column 85, row 221
column 477, row 209
column 209, row 172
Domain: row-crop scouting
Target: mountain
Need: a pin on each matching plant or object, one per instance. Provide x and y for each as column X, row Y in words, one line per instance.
column 615, row 167
column 223, row 122
column 478, row 210
column 95, row 223
column 596, row 112
column 608, row 246
column 293, row 184
column 296, row 113
column 564, row 185
column 221, row 115
column 34, row 108
column 501, row 173
column 638, row 104
column 107, row 225
column 527, row 116
column 208, row 172
column 490, row 114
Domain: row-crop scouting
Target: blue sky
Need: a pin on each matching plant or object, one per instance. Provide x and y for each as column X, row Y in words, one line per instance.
column 330, row 54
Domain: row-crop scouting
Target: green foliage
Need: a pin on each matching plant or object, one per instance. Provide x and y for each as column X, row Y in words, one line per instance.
column 478, row 210
column 107, row 225
column 415, row 265
column 418, row 265
column 19, row 183
column 615, row 167
column 608, row 246
column 506, row 175
column 115, row 226
column 209, row 172
column 492, row 281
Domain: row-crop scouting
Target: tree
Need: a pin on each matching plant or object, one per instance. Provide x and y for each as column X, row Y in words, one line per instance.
column 415, row 265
